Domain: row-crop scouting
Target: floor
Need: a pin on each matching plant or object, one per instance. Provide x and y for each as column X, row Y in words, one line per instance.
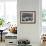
column 2, row 43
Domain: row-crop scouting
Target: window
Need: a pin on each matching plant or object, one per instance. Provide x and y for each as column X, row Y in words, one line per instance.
column 43, row 12
column 1, row 9
column 44, row 16
column 8, row 11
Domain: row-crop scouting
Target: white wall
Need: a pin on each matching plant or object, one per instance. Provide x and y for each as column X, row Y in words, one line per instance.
column 29, row 31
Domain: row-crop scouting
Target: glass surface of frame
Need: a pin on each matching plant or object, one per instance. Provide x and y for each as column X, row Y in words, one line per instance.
column 27, row 17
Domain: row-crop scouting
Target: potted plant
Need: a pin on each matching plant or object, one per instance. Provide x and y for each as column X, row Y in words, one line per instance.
column 1, row 22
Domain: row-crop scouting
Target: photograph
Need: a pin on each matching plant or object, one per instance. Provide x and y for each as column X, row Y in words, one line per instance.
column 27, row 17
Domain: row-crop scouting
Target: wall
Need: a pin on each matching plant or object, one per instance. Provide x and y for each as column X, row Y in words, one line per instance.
column 29, row 31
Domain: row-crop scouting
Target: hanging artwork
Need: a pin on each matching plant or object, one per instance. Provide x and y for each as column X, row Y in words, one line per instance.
column 27, row 17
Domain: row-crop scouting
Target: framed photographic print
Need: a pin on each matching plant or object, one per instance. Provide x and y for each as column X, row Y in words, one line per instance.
column 27, row 17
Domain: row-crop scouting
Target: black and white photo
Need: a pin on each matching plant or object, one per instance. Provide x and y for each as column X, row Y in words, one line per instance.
column 28, row 17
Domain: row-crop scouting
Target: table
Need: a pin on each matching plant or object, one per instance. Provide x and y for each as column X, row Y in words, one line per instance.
column 10, row 39
column 1, row 34
column 23, row 45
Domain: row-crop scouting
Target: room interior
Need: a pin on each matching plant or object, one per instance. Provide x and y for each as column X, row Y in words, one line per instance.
column 22, row 22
